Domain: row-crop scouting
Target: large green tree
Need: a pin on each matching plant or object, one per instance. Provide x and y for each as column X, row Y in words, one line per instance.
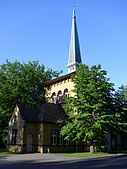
column 23, row 83
column 123, row 92
column 94, row 110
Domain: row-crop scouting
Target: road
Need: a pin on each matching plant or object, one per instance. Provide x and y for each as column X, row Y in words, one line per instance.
column 51, row 161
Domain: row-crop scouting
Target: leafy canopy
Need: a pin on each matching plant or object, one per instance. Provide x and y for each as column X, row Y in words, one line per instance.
column 94, row 110
column 23, row 83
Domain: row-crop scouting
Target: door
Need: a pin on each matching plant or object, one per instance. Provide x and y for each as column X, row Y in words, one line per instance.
column 29, row 143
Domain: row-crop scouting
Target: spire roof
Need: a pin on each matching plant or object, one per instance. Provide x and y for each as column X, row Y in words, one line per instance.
column 74, row 51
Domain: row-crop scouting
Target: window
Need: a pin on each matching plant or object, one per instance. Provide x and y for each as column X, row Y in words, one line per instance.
column 15, row 118
column 66, row 94
column 14, row 136
column 54, row 137
column 60, row 97
column 57, row 139
column 66, row 142
column 60, row 140
column 54, row 98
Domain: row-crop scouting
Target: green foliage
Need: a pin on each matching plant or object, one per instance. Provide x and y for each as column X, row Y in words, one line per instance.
column 95, row 109
column 122, row 92
column 84, row 154
column 23, row 83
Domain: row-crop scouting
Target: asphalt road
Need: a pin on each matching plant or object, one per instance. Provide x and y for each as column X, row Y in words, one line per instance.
column 51, row 161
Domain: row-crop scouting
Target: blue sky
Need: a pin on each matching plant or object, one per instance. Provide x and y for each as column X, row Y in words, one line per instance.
column 33, row 30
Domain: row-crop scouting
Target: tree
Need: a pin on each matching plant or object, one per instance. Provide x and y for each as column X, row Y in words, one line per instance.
column 123, row 92
column 23, row 83
column 93, row 111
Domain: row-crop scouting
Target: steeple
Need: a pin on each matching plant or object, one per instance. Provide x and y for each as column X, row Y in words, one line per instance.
column 74, row 51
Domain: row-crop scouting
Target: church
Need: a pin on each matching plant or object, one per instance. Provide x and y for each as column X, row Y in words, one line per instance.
column 36, row 130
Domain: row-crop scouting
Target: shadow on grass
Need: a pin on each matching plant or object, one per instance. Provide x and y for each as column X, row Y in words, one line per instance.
column 4, row 152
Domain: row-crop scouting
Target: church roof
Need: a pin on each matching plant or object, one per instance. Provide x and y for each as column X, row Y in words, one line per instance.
column 74, row 51
column 47, row 113
column 58, row 79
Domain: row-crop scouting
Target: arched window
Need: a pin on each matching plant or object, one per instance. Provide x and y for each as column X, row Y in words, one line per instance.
column 60, row 96
column 54, row 98
column 66, row 94
column 15, row 118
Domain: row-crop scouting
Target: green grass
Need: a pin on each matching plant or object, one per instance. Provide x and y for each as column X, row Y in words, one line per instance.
column 83, row 154
column 4, row 152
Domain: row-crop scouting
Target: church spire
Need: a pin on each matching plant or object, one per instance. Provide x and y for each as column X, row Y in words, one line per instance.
column 74, row 51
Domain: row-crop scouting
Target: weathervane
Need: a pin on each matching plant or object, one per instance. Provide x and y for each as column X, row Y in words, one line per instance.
column 73, row 3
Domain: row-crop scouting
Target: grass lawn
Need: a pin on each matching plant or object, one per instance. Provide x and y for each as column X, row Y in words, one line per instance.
column 83, row 154
column 4, row 152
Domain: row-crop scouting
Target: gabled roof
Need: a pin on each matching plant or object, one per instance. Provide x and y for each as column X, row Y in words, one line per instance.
column 49, row 112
